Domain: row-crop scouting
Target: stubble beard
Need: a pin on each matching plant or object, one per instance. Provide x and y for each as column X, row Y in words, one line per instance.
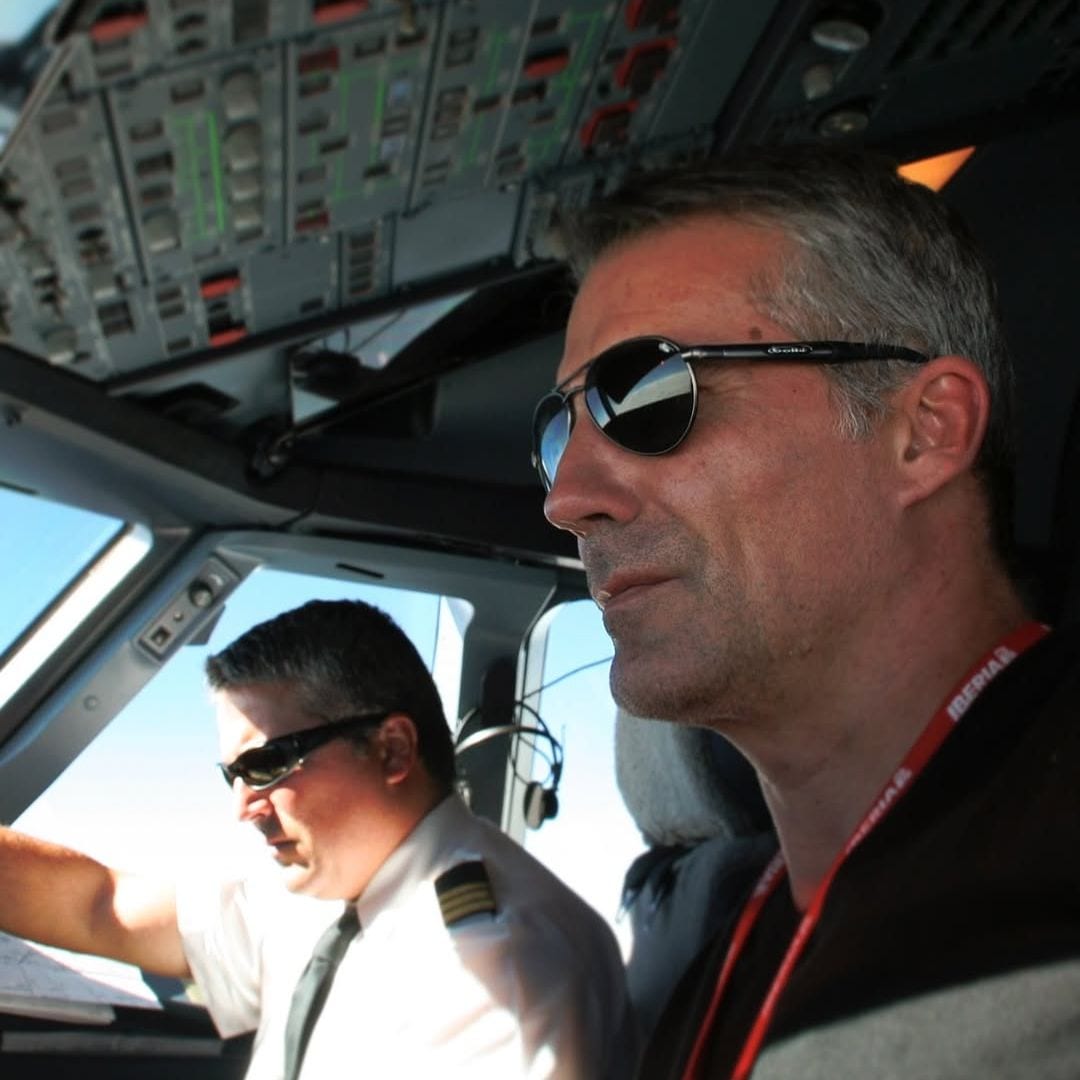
column 681, row 680
column 694, row 663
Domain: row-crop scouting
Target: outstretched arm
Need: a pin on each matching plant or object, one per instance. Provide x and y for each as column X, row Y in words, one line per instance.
column 56, row 896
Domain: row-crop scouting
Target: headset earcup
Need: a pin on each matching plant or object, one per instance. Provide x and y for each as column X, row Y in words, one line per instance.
column 551, row 804
column 540, row 804
column 534, row 804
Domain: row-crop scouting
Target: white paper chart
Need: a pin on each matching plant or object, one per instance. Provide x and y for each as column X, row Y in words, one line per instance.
column 40, row 981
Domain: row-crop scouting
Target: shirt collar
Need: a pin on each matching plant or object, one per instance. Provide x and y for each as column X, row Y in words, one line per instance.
column 415, row 859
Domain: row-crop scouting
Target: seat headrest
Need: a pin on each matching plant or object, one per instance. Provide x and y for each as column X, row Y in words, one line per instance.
column 684, row 784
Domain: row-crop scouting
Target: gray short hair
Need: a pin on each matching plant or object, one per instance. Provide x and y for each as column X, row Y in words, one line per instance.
column 883, row 260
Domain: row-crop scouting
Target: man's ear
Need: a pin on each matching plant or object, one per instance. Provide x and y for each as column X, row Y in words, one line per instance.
column 397, row 747
column 941, row 415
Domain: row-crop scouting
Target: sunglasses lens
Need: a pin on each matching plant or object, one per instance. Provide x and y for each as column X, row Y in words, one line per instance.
column 262, row 766
column 641, row 395
column 551, row 432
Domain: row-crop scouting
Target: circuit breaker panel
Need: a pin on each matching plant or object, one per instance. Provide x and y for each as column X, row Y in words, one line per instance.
column 189, row 173
column 189, row 176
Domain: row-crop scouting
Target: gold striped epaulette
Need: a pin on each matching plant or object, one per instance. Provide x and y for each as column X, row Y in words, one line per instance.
column 463, row 891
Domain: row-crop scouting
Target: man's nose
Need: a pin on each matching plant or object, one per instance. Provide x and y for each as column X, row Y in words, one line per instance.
column 593, row 480
column 248, row 804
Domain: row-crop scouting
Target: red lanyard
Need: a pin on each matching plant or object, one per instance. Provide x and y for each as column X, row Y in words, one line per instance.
column 934, row 734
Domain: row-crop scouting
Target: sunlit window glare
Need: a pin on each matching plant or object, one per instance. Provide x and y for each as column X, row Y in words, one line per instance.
column 97, row 582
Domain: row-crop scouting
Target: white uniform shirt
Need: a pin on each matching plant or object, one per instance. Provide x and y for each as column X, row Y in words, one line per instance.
column 535, row 991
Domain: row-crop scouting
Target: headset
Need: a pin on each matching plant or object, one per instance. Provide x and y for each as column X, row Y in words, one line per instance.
column 541, row 797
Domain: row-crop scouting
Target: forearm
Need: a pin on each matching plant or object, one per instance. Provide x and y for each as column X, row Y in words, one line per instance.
column 49, row 893
column 57, row 896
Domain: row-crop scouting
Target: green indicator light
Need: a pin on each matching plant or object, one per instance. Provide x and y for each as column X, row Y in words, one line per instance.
column 340, row 189
column 569, row 78
column 189, row 145
column 380, row 106
column 216, row 175
column 495, row 48
column 478, row 125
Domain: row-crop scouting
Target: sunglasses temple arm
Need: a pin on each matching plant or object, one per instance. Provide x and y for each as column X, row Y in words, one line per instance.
column 832, row 352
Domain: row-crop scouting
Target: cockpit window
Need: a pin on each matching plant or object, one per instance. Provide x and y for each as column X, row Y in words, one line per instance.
column 17, row 20
column 44, row 547
column 145, row 794
column 21, row 54
column 158, row 755
column 576, row 705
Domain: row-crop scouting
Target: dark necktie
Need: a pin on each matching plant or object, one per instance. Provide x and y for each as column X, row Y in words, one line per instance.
column 310, row 993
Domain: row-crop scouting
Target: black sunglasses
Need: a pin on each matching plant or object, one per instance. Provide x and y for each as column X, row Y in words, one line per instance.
column 642, row 393
column 263, row 766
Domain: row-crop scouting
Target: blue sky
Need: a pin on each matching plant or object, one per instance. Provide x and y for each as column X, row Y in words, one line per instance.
column 17, row 16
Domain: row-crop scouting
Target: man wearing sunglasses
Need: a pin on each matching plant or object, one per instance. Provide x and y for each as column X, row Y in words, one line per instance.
column 781, row 433
column 454, row 953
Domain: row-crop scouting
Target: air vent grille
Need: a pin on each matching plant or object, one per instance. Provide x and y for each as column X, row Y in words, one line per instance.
column 948, row 30
column 1062, row 78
